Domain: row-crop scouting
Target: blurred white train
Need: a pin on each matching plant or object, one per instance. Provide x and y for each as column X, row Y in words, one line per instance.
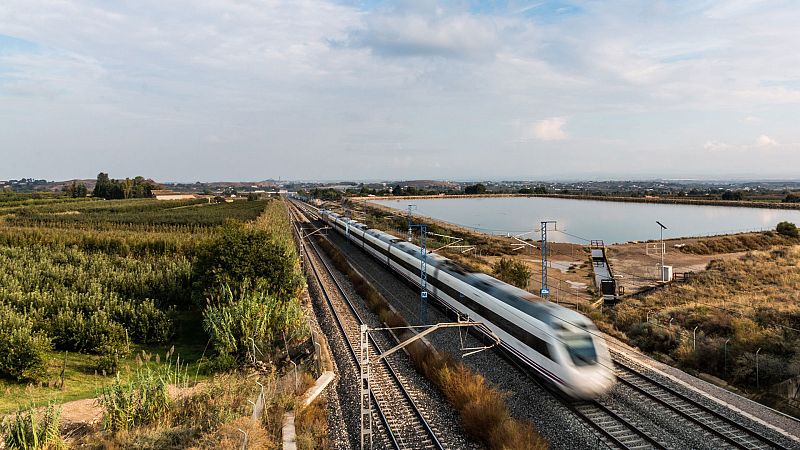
column 561, row 345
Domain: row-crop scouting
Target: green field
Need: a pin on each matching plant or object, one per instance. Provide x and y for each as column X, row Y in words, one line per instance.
column 97, row 282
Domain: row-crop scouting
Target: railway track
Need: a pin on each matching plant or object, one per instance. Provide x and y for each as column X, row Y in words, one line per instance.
column 616, row 431
column 404, row 423
column 725, row 432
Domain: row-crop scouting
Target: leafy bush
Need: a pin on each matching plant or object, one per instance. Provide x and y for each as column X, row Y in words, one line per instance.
column 232, row 319
column 771, row 369
column 27, row 432
column 732, row 195
column 239, row 255
column 73, row 330
column 87, row 301
column 649, row 337
column 791, row 198
column 23, row 351
column 787, row 229
column 513, row 272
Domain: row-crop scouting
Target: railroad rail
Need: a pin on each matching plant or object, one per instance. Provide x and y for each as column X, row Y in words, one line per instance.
column 726, row 431
column 615, row 430
column 395, row 408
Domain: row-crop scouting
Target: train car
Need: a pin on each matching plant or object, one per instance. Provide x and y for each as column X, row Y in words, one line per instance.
column 562, row 346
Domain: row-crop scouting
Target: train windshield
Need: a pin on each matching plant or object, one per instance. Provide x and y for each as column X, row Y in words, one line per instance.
column 580, row 348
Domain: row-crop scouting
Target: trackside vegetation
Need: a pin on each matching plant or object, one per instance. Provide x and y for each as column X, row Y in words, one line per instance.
column 738, row 306
column 513, row 272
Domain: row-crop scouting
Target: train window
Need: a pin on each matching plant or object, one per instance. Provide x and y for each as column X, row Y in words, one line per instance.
column 580, row 348
column 537, row 344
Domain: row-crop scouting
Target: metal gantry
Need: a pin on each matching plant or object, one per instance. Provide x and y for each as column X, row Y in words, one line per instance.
column 423, row 264
column 410, row 207
column 544, row 291
column 663, row 250
column 366, row 406
column 423, row 273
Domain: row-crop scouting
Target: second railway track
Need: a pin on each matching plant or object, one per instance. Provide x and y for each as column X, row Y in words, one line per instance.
column 724, row 431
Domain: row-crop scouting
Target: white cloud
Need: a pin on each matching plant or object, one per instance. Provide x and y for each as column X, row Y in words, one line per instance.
column 715, row 146
column 765, row 141
column 551, row 129
column 762, row 142
column 460, row 36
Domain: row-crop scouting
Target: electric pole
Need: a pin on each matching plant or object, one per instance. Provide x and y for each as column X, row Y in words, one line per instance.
column 661, row 269
column 423, row 264
column 409, row 221
column 544, row 291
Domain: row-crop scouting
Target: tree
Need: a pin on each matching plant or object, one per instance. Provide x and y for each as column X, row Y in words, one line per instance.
column 791, row 198
column 397, row 190
column 512, row 272
column 241, row 256
column 540, row 190
column 787, row 229
column 76, row 190
column 732, row 195
column 102, row 187
column 475, row 189
column 525, row 191
column 138, row 187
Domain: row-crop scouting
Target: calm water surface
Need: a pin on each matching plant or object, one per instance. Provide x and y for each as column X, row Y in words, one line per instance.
column 580, row 220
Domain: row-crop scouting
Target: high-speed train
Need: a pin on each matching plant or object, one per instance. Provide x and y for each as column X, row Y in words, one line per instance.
column 561, row 345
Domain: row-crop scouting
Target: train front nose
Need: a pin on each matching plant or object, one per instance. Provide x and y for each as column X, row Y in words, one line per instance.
column 593, row 384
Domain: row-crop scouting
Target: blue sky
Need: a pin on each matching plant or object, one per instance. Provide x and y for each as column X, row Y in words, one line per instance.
column 215, row 89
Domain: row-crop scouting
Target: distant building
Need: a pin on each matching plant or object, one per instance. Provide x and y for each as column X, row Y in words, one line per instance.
column 166, row 194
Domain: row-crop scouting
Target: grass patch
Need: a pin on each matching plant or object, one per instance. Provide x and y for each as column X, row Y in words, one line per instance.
column 311, row 425
column 738, row 243
column 81, row 380
column 738, row 306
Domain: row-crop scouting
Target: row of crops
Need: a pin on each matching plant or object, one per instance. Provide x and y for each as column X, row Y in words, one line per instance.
column 144, row 213
column 98, row 277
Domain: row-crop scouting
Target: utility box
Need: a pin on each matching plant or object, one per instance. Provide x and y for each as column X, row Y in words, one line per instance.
column 666, row 273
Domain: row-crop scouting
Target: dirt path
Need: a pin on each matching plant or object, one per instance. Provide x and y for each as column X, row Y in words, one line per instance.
column 80, row 416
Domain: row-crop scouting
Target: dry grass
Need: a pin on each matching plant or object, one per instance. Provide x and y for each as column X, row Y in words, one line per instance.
column 751, row 302
column 230, row 436
column 737, row 243
column 483, row 411
column 311, row 425
column 209, row 418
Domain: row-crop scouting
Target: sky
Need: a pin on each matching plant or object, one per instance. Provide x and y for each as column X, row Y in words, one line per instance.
column 205, row 90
